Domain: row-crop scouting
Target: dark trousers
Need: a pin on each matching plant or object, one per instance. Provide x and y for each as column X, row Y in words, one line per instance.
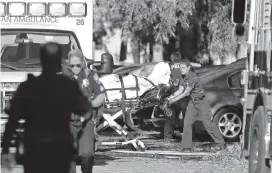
column 85, row 140
column 48, row 157
column 170, row 124
column 178, row 110
column 199, row 110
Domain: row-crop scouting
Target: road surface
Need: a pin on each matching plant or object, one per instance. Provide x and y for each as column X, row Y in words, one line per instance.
column 171, row 164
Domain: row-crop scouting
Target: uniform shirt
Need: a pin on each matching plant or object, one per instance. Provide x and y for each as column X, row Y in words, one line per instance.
column 45, row 103
column 91, row 91
column 94, row 87
column 192, row 80
column 175, row 70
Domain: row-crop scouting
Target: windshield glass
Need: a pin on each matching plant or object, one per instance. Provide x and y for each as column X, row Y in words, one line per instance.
column 20, row 48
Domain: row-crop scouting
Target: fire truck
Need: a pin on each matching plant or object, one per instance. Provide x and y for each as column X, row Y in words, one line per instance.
column 257, row 82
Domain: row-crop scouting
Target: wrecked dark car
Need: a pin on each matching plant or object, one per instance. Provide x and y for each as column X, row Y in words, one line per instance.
column 223, row 91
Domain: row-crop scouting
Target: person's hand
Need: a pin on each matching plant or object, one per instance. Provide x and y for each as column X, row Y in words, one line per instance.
column 8, row 162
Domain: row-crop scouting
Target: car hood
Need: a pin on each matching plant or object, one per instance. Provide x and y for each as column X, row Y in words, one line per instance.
column 204, row 70
column 15, row 76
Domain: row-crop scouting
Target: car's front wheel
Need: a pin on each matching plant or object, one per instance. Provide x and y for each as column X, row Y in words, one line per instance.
column 229, row 123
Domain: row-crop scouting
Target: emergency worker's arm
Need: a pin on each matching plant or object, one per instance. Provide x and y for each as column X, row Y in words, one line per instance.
column 178, row 92
column 190, row 85
column 98, row 90
column 15, row 111
column 180, row 95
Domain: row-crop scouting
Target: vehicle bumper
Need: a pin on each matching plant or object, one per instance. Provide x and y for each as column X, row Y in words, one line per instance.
column 4, row 120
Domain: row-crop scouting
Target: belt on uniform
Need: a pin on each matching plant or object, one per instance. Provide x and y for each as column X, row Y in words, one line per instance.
column 197, row 98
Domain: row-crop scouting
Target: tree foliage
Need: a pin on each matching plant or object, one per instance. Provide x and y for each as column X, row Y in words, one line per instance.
column 143, row 17
column 158, row 18
column 222, row 40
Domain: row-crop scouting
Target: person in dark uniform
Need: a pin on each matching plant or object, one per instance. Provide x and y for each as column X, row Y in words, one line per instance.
column 198, row 107
column 175, row 75
column 84, row 134
column 45, row 103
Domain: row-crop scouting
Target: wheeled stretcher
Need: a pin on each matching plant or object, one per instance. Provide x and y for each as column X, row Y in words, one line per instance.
column 120, row 99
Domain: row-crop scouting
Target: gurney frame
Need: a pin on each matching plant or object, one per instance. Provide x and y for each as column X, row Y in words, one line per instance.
column 115, row 109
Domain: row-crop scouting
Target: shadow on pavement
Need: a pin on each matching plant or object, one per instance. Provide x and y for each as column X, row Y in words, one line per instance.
column 101, row 160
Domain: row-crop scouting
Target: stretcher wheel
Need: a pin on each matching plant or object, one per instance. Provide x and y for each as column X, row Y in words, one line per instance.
column 140, row 146
column 136, row 146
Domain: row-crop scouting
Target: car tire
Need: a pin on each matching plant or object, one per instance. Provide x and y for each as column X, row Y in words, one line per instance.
column 256, row 159
column 229, row 123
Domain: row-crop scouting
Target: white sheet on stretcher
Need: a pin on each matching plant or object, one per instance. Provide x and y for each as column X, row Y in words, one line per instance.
column 159, row 75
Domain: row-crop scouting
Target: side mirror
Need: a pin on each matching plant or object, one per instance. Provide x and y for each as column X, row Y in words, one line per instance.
column 106, row 62
column 239, row 9
column 239, row 30
column 244, row 77
column 238, row 16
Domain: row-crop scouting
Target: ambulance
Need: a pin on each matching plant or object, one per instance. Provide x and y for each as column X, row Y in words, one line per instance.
column 27, row 25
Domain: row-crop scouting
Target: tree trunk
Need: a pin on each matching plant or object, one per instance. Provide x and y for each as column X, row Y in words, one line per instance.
column 112, row 43
column 133, row 49
column 123, row 52
column 151, row 52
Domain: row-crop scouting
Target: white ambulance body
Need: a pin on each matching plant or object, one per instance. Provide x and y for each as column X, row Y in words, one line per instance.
column 27, row 25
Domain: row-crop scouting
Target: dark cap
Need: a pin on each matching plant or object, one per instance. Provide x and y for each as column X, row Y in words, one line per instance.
column 50, row 55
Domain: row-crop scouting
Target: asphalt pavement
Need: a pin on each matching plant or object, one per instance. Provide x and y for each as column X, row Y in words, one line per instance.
column 165, row 157
column 107, row 164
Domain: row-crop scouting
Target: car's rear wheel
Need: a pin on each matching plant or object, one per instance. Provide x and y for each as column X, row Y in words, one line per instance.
column 229, row 123
column 256, row 160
